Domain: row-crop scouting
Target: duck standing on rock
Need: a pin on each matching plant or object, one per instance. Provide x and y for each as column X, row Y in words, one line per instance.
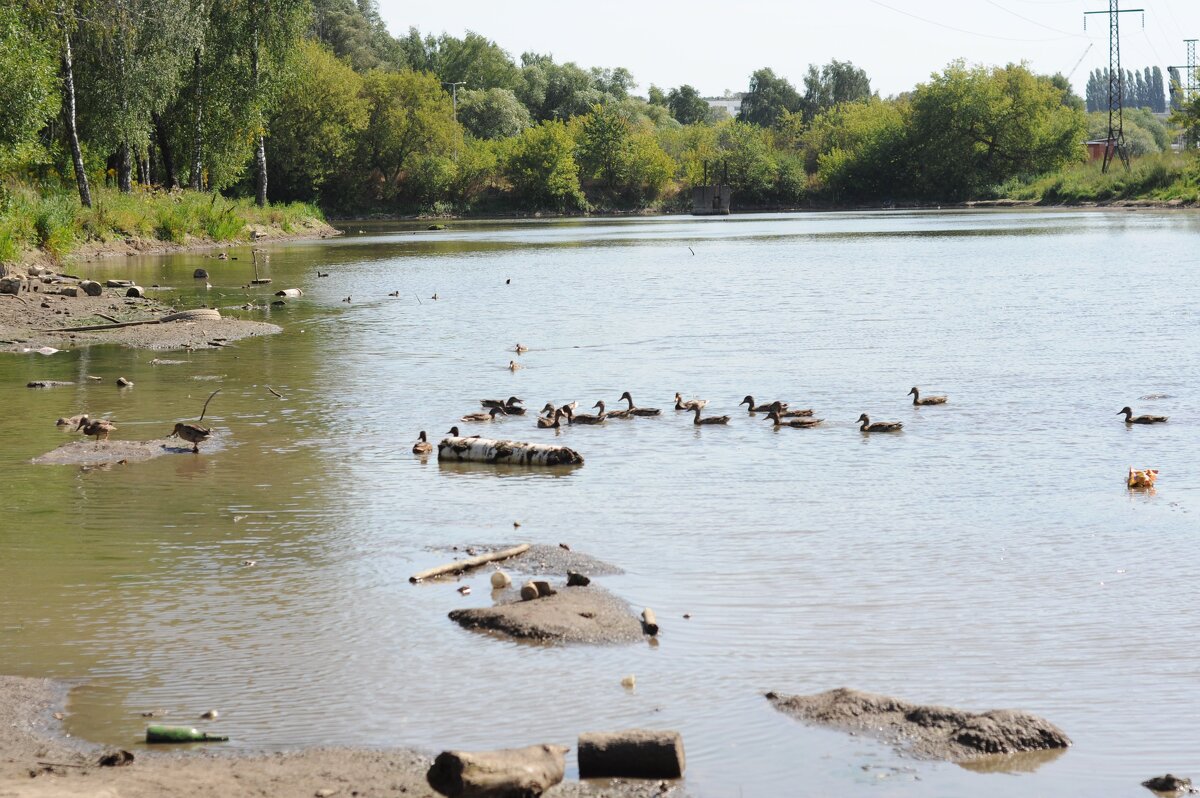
column 1130, row 418
column 926, row 400
column 710, row 420
column 639, row 411
column 97, row 429
column 878, row 426
column 422, row 446
column 196, row 433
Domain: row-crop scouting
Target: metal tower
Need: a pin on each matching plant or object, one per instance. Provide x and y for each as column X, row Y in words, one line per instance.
column 1116, row 83
column 1191, row 68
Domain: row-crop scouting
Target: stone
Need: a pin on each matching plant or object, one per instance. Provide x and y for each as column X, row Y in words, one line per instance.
column 123, row 383
column 576, row 579
column 200, row 274
column 91, row 288
column 1169, row 784
column 635, row 754
column 11, row 285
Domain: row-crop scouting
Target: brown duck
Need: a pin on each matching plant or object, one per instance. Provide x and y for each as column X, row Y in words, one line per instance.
column 552, row 421
column 197, row 433
column 1130, row 418
column 481, row 417
column 584, row 418
column 98, row 429
column 798, row 423
column 690, row 404
column 422, row 446
column 710, row 420
column 753, row 408
column 781, row 409
column 621, row 413
column 878, row 426
column 925, row 400
column 639, row 411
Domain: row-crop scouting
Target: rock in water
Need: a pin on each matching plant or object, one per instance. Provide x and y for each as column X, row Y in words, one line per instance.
column 508, row 773
column 200, row 274
column 1169, row 784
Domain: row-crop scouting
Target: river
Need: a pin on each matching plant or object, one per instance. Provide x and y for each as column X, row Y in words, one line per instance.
column 989, row 555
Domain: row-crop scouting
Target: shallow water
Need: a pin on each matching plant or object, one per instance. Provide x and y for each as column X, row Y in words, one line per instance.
column 986, row 556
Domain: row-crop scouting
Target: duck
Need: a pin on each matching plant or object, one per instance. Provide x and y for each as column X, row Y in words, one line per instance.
column 1130, row 418
column 514, row 365
column 710, row 420
column 690, row 404
column 500, row 403
column 552, row 421
column 547, row 409
column 454, row 433
column 571, row 406
column 623, row 413
column 584, row 418
column 97, row 429
column 878, row 426
column 393, row 293
column 490, row 415
column 753, row 408
column 520, row 349
column 422, row 446
column 781, row 409
column 928, row 400
column 798, row 423
column 513, row 408
column 322, row 274
column 639, row 411
column 194, row 434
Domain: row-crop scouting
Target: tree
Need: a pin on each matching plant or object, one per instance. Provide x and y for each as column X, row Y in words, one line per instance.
column 769, row 97
column 473, row 59
column 492, row 113
column 28, row 64
column 836, row 82
column 353, row 30
column 656, row 96
column 542, row 169
column 555, row 91
column 686, row 105
column 601, row 144
column 976, row 127
column 745, row 154
column 319, row 112
column 860, row 151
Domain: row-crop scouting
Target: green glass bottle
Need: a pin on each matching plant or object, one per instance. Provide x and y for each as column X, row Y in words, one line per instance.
column 181, row 734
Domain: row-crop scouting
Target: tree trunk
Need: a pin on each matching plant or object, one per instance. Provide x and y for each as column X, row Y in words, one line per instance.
column 198, row 133
column 124, row 169
column 85, row 192
column 165, row 156
column 260, row 155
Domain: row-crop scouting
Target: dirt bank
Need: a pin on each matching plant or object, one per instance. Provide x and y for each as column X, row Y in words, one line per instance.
column 117, row 452
column 27, row 321
column 30, row 734
column 572, row 615
column 929, row 732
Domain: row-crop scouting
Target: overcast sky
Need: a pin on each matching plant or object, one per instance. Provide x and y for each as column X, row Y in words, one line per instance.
column 716, row 45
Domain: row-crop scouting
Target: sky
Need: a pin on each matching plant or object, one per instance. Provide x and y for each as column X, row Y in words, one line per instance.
column 715, row 46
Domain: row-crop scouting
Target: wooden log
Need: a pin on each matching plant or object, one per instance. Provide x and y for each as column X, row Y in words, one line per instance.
column 649, row 622
column 636, row 754
column 529, row 591
column 91, row 288
column 507, row 773
column 458, row 566
column 498, row 452
column 290, row 292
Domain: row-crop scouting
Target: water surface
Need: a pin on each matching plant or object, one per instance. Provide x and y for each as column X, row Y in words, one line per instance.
column 987, row 556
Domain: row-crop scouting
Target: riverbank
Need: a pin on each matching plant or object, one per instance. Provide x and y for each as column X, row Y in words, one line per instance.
column 37, row 760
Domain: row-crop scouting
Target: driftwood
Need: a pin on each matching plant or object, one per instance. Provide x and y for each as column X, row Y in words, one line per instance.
column 636, row 754
column 458, row 566
column 497, row 452
column 199, row 314
column 509, row 773
column 649, row 622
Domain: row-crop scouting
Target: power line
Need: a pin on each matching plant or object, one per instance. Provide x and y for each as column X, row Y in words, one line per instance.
column 964, row 30
column 1034, row 21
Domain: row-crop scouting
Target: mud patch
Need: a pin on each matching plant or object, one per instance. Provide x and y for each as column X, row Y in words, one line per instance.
column 572, row 615
column 112, row 452
column 542, row 559
column 929, row 732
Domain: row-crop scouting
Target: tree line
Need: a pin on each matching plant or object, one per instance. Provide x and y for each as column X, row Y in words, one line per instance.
column 292, row 100
column 1139, row 89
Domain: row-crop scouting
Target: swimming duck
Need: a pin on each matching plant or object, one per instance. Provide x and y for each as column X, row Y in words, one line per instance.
column 878, row 426
column 690, row 404
column 1130, row 418
column 97, row 429
column 520, row 349
column 513, row 408
column 393, row 293
column 639, row 411
column 500, row 403
column 322, row 274
column 490, row 415
column 928, row 400
column 192, row 433
column 514, row 365
column 781, row 409
column 548, row 409
column 422, row 446
column 753, row 408
column 622, row 413
column 551, row 421
column 798, row 423
column 710, row 420
column 584, row 418
column 454, row 433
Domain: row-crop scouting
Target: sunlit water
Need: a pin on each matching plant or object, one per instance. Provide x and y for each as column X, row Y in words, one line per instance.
column 987, row 556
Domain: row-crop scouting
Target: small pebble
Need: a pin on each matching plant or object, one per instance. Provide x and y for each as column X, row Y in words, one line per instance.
column 325, row 792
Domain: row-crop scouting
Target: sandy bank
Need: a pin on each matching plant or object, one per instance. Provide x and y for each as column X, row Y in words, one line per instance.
column 30, row 734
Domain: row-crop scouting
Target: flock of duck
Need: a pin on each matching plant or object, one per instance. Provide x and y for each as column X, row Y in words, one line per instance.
column 780, row 414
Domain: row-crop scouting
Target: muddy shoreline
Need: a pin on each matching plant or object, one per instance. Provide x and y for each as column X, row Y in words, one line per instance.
column 31, row 735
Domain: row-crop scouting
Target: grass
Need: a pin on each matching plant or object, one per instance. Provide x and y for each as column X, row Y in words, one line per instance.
column 52, row 220
column 1161, row 177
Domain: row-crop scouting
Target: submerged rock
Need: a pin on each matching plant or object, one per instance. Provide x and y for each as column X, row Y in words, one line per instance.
column 571, row 615
column 1170, row 784
column 932, row 732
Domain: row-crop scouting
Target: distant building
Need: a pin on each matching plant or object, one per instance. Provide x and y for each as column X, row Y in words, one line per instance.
column 1098, row 148
column 730, row 103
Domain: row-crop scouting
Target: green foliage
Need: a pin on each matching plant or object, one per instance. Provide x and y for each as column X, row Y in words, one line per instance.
column 492, row 113
column 835, row 83
column 768, row 99
column 30, row 82
column 542, row 169
column 353, row 30
column 687, row 106
column 316, row 118
column 1164, row 176
column 656, row 96
column 745, row 152
column 473, row 59
column 860, row 151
